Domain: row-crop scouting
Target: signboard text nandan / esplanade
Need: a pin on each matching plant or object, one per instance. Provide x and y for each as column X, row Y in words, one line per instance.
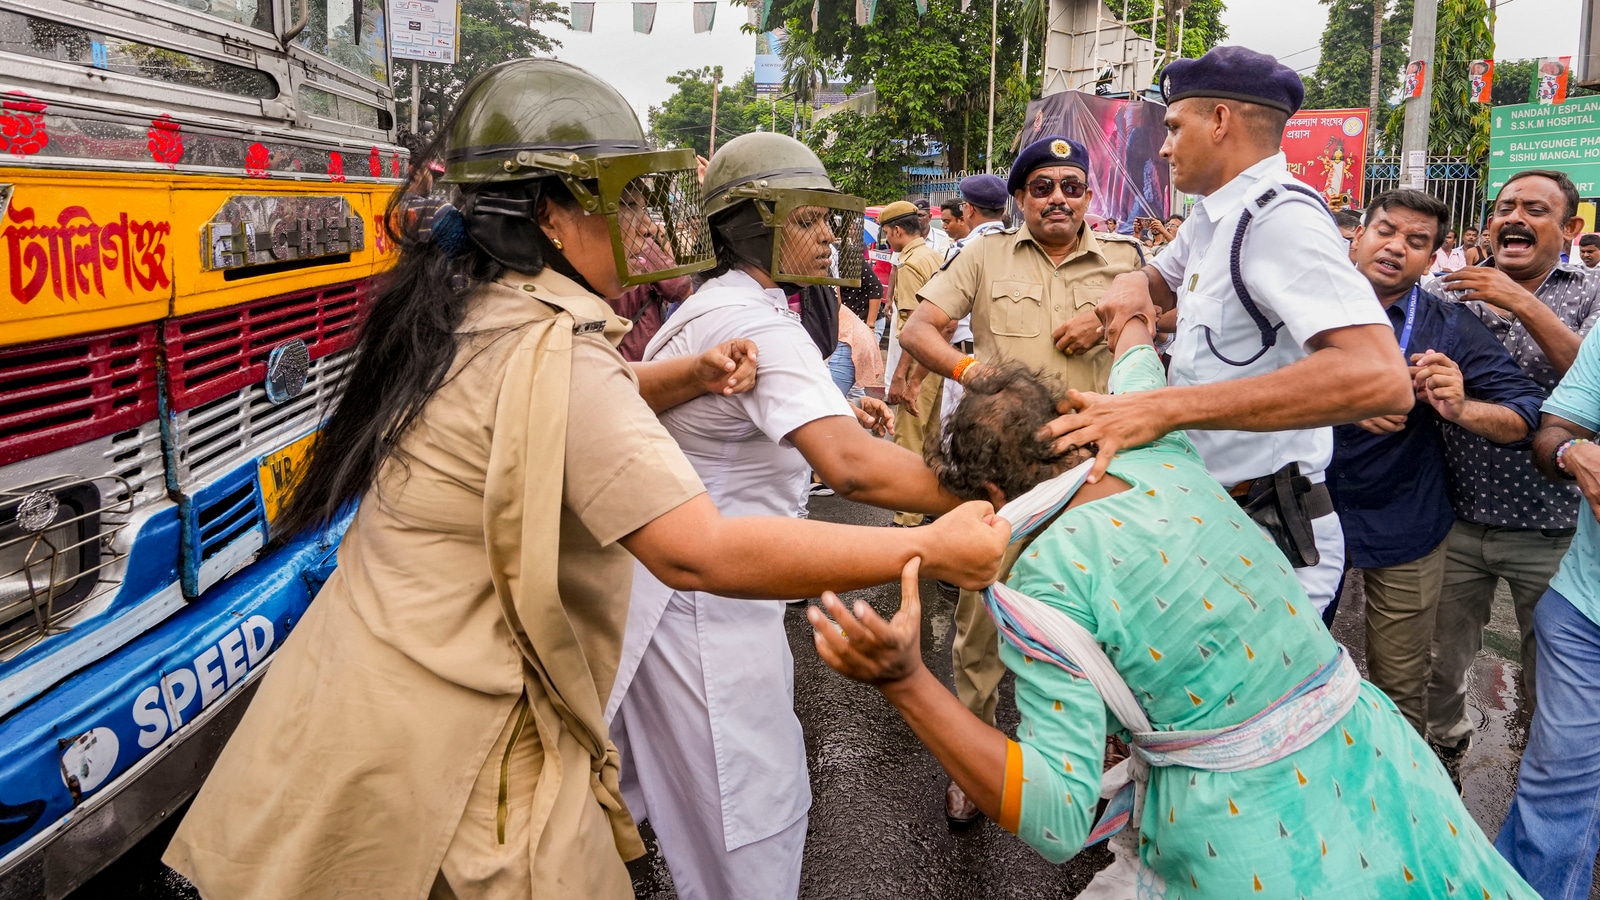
column 1535, row 136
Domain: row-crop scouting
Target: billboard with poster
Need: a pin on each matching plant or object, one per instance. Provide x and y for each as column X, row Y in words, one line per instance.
column 1327, row 149
column 769, row 63
column 1129, row 178
column 424, row 30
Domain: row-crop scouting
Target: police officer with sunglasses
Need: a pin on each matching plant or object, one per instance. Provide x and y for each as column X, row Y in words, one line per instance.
column 1031, row 292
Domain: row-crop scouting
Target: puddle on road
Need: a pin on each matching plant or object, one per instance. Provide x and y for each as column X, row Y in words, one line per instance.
column 1494, row 701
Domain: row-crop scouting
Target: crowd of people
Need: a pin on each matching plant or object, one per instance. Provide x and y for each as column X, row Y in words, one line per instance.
column 602, row 380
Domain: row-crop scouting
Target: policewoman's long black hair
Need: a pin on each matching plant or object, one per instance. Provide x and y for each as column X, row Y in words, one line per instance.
column 408, row 342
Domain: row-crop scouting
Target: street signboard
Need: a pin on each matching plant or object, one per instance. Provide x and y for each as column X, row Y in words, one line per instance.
column 1564, row 136
column 424, row 30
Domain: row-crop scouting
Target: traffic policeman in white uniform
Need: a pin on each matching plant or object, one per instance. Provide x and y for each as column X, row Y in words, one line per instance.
column 1278, row 336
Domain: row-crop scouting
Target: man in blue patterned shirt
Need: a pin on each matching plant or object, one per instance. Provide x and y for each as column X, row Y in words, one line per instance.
column 1511, row 523
column 1389, row 477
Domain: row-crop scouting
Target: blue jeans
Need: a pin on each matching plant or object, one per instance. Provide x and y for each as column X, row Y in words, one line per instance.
column 1552, row 832
column 843, row 368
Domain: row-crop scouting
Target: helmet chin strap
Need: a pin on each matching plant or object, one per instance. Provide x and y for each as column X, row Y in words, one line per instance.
column 502, row 221
column 743, row 231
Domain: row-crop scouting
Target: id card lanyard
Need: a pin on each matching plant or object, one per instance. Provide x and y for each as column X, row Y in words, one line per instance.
column 1411, row 319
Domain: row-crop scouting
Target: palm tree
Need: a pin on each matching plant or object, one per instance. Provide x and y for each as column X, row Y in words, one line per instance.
column 804, row 71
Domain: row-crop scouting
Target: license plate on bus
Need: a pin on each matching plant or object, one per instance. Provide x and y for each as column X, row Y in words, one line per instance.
column 278, row 472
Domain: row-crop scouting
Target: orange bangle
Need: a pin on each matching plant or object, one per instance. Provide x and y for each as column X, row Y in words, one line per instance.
column 962, row 367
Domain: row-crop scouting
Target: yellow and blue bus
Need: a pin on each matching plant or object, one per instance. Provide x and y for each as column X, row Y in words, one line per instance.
column 191, row 196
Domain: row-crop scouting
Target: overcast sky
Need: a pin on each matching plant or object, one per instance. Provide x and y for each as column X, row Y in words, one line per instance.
column 1289, row 29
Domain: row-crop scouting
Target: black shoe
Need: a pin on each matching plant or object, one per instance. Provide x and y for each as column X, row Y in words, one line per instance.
column 949, row 588
column 1451, row 758
column 818, row 489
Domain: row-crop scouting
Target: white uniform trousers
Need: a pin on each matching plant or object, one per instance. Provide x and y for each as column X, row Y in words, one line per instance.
column 669, row 776
column 1322, row 579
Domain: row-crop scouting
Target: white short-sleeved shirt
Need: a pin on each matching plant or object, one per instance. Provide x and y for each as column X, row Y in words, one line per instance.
column 738, row 444
column 1297, row 268
column 963, row 330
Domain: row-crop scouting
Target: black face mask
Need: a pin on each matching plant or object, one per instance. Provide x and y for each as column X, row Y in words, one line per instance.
column 742, row 231
column 500, row 220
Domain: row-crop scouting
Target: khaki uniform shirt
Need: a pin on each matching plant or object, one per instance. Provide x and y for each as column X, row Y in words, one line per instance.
column 918, row 263
column 481, row 584
column 1017, row 298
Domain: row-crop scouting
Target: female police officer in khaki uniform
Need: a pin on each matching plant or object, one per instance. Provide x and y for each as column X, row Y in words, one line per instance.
column 434, row 724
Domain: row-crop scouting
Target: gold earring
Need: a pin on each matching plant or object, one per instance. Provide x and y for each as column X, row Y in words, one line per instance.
column 557, row 242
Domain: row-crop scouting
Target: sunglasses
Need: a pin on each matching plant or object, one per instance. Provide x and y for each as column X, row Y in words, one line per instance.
column 1041, row 188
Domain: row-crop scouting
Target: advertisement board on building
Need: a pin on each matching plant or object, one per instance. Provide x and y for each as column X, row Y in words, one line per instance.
column 1327, row 149
column 769, row 62
column 1544, row 136
column 424, row 30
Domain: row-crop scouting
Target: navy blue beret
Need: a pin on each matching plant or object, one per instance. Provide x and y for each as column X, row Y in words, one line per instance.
column 1054, row 150
column 987, row 191
column 1234, row 73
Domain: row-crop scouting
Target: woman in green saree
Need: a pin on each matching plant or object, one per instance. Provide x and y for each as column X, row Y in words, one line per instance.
column 1150, row 605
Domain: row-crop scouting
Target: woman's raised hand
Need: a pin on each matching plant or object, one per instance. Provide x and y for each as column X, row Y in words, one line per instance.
column 862, row 645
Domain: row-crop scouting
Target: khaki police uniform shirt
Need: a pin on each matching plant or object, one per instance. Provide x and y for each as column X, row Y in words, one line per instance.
column 1017, row 298
column 376, row 741
column 918, row 263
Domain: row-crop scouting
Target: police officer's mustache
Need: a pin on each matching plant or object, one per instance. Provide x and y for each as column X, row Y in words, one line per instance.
column 1058, row 207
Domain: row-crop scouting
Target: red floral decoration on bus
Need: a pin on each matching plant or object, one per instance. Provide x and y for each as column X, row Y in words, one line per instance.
column 336, row 166
column 22, row 130
column 166, row 140
column 375, row 163
column 256, row 160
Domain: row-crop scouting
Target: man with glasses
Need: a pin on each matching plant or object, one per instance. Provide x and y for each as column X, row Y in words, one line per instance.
column 1031, row 295
column 1278, row 336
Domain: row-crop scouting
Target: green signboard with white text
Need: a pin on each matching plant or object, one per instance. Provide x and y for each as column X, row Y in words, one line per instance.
column 1563, row 136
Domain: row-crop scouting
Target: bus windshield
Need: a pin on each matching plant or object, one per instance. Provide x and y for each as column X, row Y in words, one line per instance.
column 350, row 33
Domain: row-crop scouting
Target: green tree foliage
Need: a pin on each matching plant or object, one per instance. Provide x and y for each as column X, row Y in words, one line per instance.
column 684, row 119
column 865, row 155
column 931, row 72
column 1202, row 26
column 1343, row 78
column 1457, row 126
column 491, row 33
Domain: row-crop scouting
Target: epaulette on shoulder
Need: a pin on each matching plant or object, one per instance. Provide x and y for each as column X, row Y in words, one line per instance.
column 1125, row 239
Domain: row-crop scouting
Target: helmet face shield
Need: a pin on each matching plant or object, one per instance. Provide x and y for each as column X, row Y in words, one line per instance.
column 658, row 230
column 816, row 237
column 652, row 204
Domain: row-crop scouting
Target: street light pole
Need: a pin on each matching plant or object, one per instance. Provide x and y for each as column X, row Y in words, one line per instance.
column 994, row 31
column 1414, row 143
column 716, row 82
column 415, row 93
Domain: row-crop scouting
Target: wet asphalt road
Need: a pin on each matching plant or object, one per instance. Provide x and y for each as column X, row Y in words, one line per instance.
column 877, row 827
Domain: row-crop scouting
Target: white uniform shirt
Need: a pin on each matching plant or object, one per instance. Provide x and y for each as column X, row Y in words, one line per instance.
column 738, row 445
column 1299, row 273
column 963, row 330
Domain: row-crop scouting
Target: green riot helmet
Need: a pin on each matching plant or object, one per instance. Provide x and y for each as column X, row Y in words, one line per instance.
column 770, row 199
column 534, row 119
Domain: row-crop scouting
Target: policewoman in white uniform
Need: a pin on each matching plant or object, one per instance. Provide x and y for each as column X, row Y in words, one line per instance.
column 703, row 707
column 1275, row 341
